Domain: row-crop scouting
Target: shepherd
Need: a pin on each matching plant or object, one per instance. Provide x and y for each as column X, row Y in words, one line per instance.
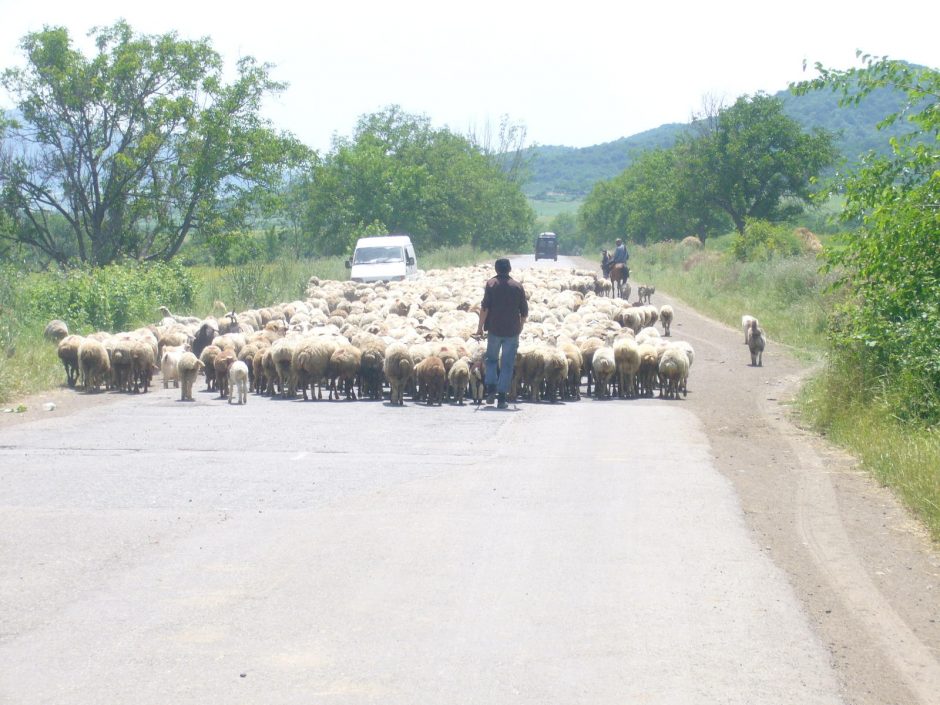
column 615, row 268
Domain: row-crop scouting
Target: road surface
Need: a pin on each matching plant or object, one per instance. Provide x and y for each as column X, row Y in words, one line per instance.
column 589, row 552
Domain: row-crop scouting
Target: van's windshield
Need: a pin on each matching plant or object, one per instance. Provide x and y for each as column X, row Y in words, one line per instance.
column 376, row 255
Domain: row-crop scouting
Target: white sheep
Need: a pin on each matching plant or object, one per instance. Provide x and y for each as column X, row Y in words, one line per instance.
column 673, row 369
column 238, row 380
column 169, row 365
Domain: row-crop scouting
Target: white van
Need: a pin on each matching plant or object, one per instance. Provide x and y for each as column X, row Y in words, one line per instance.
column 386, row 258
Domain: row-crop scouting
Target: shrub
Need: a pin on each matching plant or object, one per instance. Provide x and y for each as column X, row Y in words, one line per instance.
column 762, row 241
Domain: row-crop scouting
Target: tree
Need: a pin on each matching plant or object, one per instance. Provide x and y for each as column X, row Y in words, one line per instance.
column 399, row 172
column 125, row 154
column 890, row 265
column 752, row 161
column 647, row 202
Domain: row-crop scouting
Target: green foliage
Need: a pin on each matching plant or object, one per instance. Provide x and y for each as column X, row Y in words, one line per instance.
column 891, row 264
column 399, row 172
column 134, row 149
column 752, row 161
column 113, row 298
column 762, row 241
column 647, row 202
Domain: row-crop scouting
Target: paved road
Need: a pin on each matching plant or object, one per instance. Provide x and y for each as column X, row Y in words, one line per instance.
column 291, row 552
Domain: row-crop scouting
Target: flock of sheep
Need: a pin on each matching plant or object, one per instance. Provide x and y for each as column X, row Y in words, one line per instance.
column 414, row 337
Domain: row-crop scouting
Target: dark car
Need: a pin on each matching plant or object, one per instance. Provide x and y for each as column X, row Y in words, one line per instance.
column 546, row 246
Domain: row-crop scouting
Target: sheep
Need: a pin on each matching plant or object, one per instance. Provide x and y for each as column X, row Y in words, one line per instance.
column 673, row 369
column 431, row 376
column 756, row 342
column 665, row 317
column 627, row 359
column 204, row 336
column 207, row 357
column 343, row 370
column 603, row 366
column 142, row 355
column 169, row 365
column 223, row 363
column 93, row 364
column 649, row 369
column 458, row 379
column 122, row 363
column 238, row 380
column 55, row 331
column 188, row 368
column 398, row 369
column 282, row 353
column 555, row 372
column 371, row 373
column 575, row 362
column 310, row 364
column 67, row 351
column 746, row 321
column 477, row 372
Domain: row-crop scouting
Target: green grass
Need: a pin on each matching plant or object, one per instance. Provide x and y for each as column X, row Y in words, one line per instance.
column 28, row 365
column 900, row 455
column 786, row 294
column 549, row 209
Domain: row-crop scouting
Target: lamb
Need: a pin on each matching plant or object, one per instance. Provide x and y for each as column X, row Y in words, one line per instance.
column 238, row 380
column 665, row 317
column 189, row 367
column 93, row 364
column 68, row 353
column 458, row 379
column 431, row 377
column 746, row 324
column 756, row 342
column 398, row 369
column 55, row 331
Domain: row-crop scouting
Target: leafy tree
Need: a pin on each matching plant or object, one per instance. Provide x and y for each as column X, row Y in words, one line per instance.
column 648, row 202
column 890, row 265
column 752, row 161
column 400, row 172
column 126, row 153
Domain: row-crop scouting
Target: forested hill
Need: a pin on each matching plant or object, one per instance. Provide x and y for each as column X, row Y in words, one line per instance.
column 569, row 171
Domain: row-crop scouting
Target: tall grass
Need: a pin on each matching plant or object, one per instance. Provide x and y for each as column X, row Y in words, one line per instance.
column 787, row 294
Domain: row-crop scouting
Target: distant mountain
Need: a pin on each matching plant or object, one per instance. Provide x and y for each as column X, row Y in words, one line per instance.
column 570, row 172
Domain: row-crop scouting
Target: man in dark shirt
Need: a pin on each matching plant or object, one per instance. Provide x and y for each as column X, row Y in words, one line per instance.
column 502, row 314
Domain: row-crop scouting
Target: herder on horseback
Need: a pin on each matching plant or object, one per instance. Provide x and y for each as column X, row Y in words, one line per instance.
column 616, row 268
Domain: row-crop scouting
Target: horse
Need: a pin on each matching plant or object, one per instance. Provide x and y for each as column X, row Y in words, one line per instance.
column 617, row 273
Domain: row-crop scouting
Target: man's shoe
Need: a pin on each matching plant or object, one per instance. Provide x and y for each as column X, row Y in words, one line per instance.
column 490, row 393
column 502, row 403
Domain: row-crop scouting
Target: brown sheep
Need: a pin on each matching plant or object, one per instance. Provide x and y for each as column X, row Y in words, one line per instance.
column 68, row 354
column 189, row 368
column 431, row 376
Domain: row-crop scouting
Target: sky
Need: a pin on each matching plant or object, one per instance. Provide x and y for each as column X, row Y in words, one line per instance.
column 574, row 74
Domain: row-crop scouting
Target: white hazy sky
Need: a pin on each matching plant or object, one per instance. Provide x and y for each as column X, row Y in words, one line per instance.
column 576, row 73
